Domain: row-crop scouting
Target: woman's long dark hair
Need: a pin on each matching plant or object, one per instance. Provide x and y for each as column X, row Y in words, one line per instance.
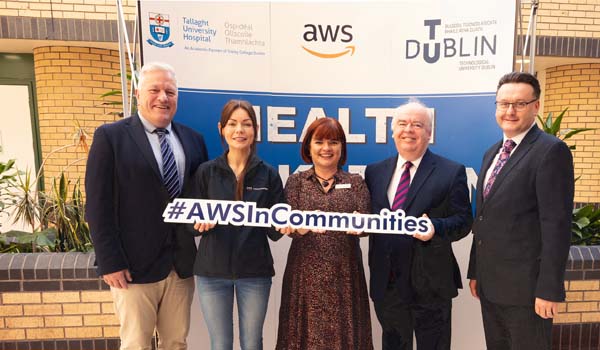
column 228, row 109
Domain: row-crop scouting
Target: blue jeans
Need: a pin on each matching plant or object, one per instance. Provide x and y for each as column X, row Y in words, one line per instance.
column 216, row 301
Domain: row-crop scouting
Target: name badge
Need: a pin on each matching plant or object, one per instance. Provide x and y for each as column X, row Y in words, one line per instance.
column 250, row 188
column 342, row 186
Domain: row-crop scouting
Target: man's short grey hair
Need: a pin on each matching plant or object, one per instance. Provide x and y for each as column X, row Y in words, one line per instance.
column 413, row 103
column 156, row 66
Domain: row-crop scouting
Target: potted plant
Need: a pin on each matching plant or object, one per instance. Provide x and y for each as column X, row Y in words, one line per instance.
column 55, row 216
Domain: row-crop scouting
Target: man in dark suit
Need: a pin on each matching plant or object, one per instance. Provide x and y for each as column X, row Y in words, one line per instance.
column 413, row 279
column 135, row 167
column 523, row 223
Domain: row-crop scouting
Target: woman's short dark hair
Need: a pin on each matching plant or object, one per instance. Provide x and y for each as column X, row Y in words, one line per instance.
column 324, row 129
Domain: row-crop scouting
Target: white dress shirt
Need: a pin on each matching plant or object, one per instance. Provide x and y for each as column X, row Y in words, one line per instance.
column 176, row 147
column 391, row 193
column 517, row 139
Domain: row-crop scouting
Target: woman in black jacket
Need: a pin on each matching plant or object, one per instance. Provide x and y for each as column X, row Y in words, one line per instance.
column 236, row 259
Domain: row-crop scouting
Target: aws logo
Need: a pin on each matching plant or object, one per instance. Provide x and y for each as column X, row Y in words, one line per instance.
column 322, row 39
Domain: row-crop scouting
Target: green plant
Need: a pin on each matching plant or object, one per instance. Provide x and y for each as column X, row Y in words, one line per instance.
column 109, row 102
column 15, row 241
column 55, row 217
column 63, row 209
column 7, row 180
column 552, row 127
column 21, row 198
column 586, row 226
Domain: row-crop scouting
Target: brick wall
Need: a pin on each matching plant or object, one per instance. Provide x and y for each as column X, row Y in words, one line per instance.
column 80, row 9
column 54, row 301
column 569, row 18
column 583, row 299
column 577, row 86
column 577, row 326
column 69, row 83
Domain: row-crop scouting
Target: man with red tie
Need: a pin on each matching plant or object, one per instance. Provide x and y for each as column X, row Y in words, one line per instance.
column 414, row 278
column 522, row 228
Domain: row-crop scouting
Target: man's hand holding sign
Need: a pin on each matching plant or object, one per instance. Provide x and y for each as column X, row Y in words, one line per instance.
column 427, row 235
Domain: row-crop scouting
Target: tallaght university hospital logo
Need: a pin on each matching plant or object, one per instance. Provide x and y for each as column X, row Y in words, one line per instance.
column 328, row 41
column 160, row 30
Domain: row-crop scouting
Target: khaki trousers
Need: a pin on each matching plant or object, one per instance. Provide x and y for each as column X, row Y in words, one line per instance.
column 163, row 305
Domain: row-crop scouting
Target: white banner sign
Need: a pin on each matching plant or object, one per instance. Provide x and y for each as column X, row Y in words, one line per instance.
column 238, row 213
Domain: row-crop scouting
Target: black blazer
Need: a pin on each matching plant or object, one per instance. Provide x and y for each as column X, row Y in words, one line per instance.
column 126, row 198
column 522, row 230
column 438, row 189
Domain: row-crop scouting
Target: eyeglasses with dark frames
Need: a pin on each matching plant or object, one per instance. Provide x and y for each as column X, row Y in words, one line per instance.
column 519, row 106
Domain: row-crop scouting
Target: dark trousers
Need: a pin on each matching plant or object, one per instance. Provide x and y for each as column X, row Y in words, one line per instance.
column 514, row 327
column 430, row 322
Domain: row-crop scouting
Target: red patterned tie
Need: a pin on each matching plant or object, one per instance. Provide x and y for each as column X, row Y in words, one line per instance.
column 402, row 189
column 509, row 145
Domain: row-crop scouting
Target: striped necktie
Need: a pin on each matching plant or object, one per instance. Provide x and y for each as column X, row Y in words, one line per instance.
column 169, row 166
column 509, row 145
column 402, row 189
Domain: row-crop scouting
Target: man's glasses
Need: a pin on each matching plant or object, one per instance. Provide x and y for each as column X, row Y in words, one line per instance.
column 415, row 125
column 519, row 106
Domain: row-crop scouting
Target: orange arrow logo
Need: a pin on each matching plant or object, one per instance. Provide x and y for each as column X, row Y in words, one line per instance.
column 349, row 49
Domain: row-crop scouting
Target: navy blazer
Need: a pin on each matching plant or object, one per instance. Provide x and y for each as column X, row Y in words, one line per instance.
column 522, row 230
column 126, row 198
column 438, row 189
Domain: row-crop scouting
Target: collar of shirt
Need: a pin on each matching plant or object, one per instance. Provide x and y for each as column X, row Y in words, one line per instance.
column 400, row 166
column 149, row 127
column 517, row 139
column 173, row 140
column 311, row 175
column 395, row 180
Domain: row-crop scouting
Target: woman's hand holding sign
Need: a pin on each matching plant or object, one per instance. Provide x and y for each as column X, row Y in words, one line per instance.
column 287, row 230
column 204, row 226
column 355, row 232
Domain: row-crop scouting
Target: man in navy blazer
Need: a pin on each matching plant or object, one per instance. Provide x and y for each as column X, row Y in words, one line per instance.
column 413, row 279
column 146, row 262
column 522, row 228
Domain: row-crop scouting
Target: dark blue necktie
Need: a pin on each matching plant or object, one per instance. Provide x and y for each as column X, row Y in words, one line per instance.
column 169, row 166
